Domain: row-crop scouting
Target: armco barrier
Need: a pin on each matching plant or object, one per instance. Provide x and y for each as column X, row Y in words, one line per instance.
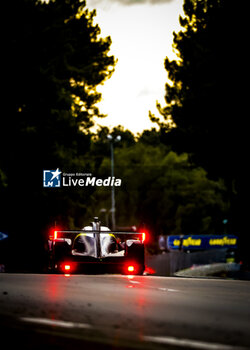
column 168, row 263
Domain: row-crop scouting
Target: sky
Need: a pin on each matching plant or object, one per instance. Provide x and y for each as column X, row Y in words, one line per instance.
column 142, row 37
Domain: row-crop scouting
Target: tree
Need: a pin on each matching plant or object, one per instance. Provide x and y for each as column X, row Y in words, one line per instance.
column 162, row 190
column 54, row 59
column 206, row 98
column 202, row 99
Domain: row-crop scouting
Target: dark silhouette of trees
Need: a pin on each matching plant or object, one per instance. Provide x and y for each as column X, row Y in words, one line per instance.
column 54, row 58
column 203, row 99
column 206, row 97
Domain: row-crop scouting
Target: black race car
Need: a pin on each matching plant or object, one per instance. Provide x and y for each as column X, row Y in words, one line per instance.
column 96, row 249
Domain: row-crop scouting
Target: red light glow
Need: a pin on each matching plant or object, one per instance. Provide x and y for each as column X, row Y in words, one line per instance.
column 143, row 237
column 67, row 267
column 131, row 268
column 55, row 234
column 149, row 270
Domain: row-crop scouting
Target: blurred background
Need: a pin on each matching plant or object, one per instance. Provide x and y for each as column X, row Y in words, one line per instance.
column 184, row 171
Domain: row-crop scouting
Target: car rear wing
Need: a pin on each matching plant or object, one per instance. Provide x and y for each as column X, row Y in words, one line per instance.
column 69, row 235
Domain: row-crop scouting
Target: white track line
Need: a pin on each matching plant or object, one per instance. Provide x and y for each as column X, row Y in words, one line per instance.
column 168, row 290
column 57, row 323
column 134, row 282
column 194, row 344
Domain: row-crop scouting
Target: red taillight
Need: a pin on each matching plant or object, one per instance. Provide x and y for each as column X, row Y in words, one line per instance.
column 53, row 233
column 131, row 268
column 143, row 237
column 67, row 267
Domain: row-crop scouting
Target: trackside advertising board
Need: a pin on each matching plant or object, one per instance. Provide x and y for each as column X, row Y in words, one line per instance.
column 200, row 242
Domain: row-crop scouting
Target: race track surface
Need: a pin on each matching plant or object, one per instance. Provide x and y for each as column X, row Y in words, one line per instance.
column 123, row 312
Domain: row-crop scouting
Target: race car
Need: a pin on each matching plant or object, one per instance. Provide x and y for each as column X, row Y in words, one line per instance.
column 96, row 249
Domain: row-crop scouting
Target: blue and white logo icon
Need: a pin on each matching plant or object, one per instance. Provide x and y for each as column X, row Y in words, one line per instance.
column 52, row 178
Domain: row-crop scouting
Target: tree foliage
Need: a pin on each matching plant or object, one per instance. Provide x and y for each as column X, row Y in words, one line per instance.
column 54, row 58
column 204, row 97
column 163, row 191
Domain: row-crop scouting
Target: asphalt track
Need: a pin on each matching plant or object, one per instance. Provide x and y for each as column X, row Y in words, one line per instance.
column 123, row 312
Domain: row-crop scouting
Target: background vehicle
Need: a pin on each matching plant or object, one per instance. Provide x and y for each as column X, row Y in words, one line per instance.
column 96, row 249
